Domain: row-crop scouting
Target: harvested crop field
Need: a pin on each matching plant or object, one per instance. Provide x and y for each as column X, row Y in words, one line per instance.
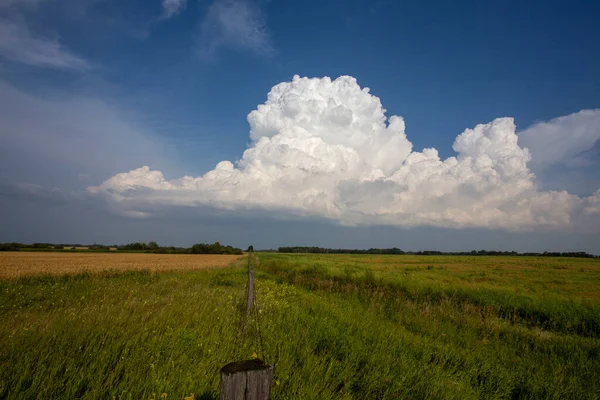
column 18, row 264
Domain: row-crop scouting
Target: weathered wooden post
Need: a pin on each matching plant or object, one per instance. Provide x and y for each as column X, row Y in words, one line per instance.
column 248, row 379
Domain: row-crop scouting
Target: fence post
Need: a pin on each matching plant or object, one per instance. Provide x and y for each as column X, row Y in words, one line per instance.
column 249, row 379
column 250, row 300
column 246, row 380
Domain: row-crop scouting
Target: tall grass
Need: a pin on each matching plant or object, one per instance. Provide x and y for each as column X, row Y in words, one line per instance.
column 335, row 328
column 549, row 310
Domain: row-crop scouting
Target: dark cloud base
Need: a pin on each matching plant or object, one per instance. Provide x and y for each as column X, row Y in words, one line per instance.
column 34, row 219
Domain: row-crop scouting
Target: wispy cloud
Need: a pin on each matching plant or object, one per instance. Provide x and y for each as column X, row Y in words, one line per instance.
column 19, row 44
column 562, row 140
column 172, row 7
column 237, row 24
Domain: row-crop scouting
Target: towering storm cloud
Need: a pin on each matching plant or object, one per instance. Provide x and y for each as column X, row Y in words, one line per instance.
column 326, row 148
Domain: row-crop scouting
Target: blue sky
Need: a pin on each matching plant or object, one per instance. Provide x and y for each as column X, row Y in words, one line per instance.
column 91, row 89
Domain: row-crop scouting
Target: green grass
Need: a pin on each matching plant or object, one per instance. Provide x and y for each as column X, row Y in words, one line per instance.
column 335, row 326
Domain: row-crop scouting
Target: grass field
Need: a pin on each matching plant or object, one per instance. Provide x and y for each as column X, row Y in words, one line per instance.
column 335, row 326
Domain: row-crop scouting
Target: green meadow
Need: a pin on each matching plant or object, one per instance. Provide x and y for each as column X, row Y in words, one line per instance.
column 334, row 326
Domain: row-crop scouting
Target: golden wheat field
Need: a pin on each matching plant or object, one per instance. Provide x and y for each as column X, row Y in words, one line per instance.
column 17, row 264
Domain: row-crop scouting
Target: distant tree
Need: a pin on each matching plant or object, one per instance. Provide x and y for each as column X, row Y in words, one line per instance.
column 250, row 249
column 153, row 246
column 11, row 246
column 98, row 247
column 215, row 248
column 134, row 246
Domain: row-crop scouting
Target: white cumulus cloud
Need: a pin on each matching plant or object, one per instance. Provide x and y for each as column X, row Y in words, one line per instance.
column 325, row 148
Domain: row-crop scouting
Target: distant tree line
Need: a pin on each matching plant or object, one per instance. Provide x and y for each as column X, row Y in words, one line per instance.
column 319, row 250
column 576, row 254
column 215, row 248
column 395, row 250
column 15, row 246
column 198, row 248
column 218, row 248
column 151, row 247
column 140, row 246
column 11, row 246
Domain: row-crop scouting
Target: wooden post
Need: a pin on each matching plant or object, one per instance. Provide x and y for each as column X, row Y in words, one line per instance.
column 250, row 300
column 249, row 379
column 246, row 380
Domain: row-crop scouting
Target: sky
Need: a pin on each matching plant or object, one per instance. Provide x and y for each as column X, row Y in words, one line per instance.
column 421, row 125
